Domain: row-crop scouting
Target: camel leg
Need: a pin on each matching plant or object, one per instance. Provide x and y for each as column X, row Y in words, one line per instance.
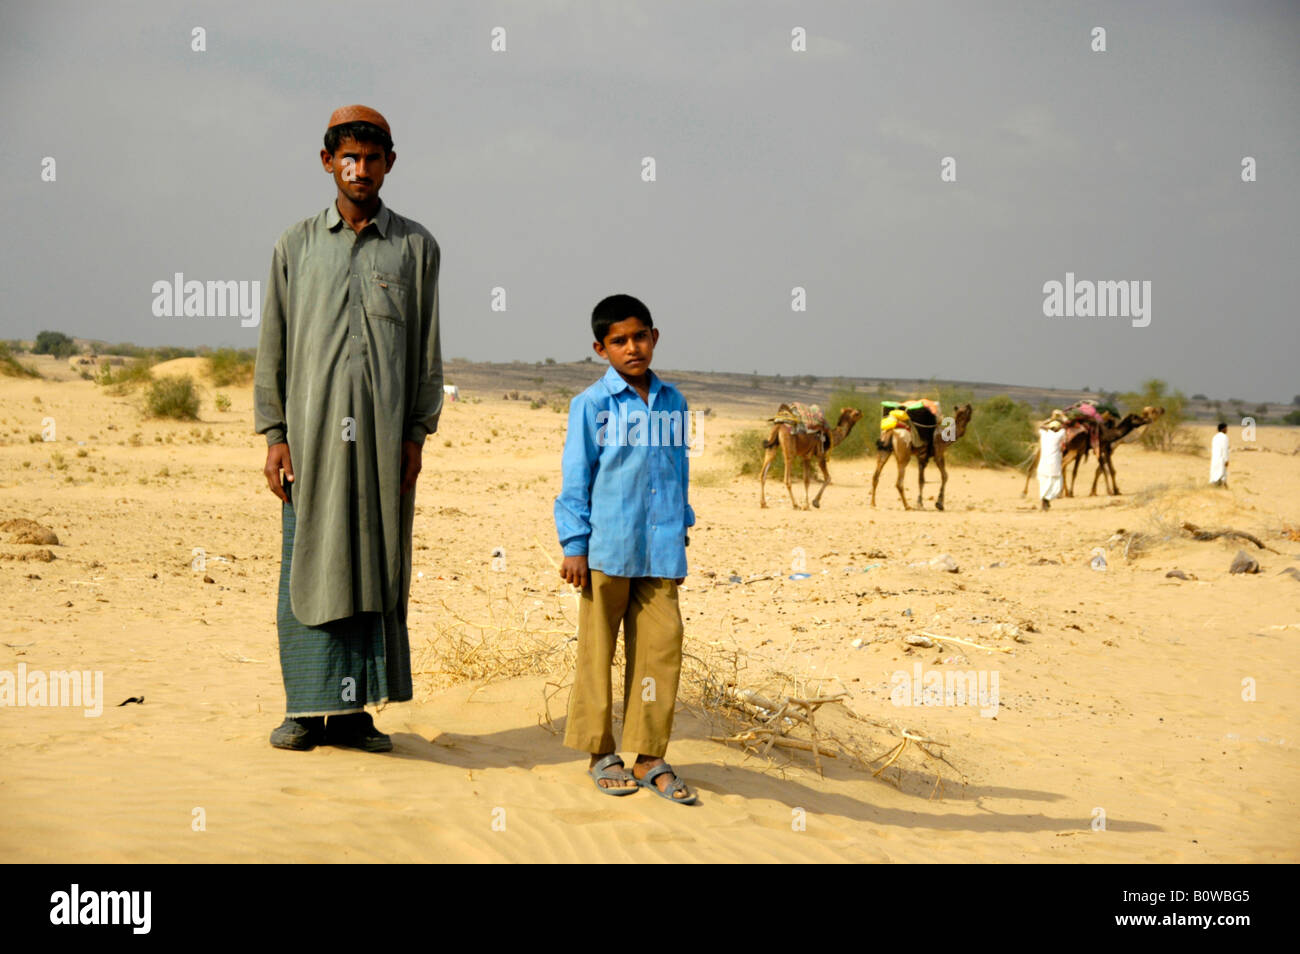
column 1033, row 468
column 901, row 455
column 1101, row 469
column 762, row 475
column 920, row 482
column 943, row 479
column 1113, row 484
column 1074, row 475
column 785, row 452
column 826, row 479
column 881, row 459
column 807, row 473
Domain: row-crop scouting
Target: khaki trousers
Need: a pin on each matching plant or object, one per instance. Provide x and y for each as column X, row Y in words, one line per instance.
column 652, row 642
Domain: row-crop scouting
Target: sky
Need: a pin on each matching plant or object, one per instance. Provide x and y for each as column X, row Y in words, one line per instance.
column 775, row 168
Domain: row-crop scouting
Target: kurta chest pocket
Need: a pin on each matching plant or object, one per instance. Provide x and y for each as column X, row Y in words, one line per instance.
column 385, row 297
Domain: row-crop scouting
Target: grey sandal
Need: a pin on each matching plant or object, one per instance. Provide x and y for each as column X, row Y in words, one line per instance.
column 676, row 785
column 601, row 771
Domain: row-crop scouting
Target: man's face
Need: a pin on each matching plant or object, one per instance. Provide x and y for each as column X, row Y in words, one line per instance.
column 629, row 345
column 358, row 169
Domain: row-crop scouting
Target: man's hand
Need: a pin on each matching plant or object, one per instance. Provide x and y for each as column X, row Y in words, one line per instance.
column 412, row 454
column 574, row 570
column 277, row 459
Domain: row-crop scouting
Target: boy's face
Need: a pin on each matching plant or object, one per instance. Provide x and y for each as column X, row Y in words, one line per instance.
column 358, row 169
column 628, row 346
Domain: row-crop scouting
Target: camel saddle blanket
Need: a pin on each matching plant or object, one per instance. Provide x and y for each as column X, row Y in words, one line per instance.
column 1083, row 410
column 804, row 419
column 1081, row 417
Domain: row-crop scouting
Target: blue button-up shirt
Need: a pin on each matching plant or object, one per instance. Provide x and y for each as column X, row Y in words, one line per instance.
column 624, row 500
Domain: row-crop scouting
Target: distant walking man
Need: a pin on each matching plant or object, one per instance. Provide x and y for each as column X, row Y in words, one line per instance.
column 348, row 384
column 1219, row 457
column 1051, row 442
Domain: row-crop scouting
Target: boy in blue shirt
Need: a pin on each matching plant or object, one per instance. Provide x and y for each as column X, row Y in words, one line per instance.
column 622, row 518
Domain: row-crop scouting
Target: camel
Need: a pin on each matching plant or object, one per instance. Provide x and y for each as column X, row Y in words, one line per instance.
column 899, row 445
column 804, row 446
column 1078, row 447
column 1110, row 436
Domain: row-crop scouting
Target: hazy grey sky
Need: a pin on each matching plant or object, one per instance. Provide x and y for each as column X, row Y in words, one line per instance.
column 775, row 169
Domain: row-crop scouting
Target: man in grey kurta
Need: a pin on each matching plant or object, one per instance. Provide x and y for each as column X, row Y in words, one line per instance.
column 347, row 386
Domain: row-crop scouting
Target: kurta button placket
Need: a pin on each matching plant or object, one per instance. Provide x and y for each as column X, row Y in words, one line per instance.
column 354, row 313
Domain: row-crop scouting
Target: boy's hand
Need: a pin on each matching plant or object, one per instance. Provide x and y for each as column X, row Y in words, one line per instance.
column 277, row 459
column 574, row 570
column 680, row 580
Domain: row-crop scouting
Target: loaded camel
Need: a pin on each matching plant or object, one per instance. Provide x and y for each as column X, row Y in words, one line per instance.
column 899, row 445
column 803, row 446
column 1077, row 447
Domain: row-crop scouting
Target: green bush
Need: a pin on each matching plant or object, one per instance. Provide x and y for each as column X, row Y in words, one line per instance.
column 173, row 397
column 1164, row 433
column 745, row 449
column 55, row 343
column 125, row 376
column 230, row 367
column 862, row 439
column 1000, row 433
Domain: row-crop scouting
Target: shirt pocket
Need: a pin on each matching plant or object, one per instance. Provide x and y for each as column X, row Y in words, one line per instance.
column 385, row 297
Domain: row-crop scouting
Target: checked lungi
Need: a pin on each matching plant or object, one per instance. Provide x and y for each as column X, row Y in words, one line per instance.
column 345, row 664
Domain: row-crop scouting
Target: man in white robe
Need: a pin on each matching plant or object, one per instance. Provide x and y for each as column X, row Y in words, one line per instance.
column 1051, row 445
column 1219, row 457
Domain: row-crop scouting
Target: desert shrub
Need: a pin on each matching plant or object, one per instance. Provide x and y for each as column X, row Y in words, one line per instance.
column 1000, row 433
column 12, row 367
column 230, row 367
column 173, row 397
column 862, row 439
column 127, row 375
column 745, row 450
column 1164, row 433
column 223, row 402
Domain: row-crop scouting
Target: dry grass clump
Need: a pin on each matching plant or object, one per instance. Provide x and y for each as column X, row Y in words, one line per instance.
column 782, row 718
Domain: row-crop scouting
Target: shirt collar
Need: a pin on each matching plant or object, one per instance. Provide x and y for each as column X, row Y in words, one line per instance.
column 615, row 382
column 381, row 221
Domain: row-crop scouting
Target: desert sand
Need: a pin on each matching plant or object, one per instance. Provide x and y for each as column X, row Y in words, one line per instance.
column 1125, row 695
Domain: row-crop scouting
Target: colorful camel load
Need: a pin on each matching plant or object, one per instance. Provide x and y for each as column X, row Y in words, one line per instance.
column 918, row 418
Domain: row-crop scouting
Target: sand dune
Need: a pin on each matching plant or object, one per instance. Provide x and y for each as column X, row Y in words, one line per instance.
column 1127, row 695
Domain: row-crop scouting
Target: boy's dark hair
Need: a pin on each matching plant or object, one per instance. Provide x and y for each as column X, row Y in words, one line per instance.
column 361, row 132
column 1223, row 426
column 616, row 308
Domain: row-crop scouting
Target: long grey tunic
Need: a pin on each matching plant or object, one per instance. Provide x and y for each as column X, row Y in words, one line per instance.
column 349, row 364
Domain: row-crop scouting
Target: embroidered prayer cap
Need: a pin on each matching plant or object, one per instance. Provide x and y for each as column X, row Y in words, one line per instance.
column 358, row 114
